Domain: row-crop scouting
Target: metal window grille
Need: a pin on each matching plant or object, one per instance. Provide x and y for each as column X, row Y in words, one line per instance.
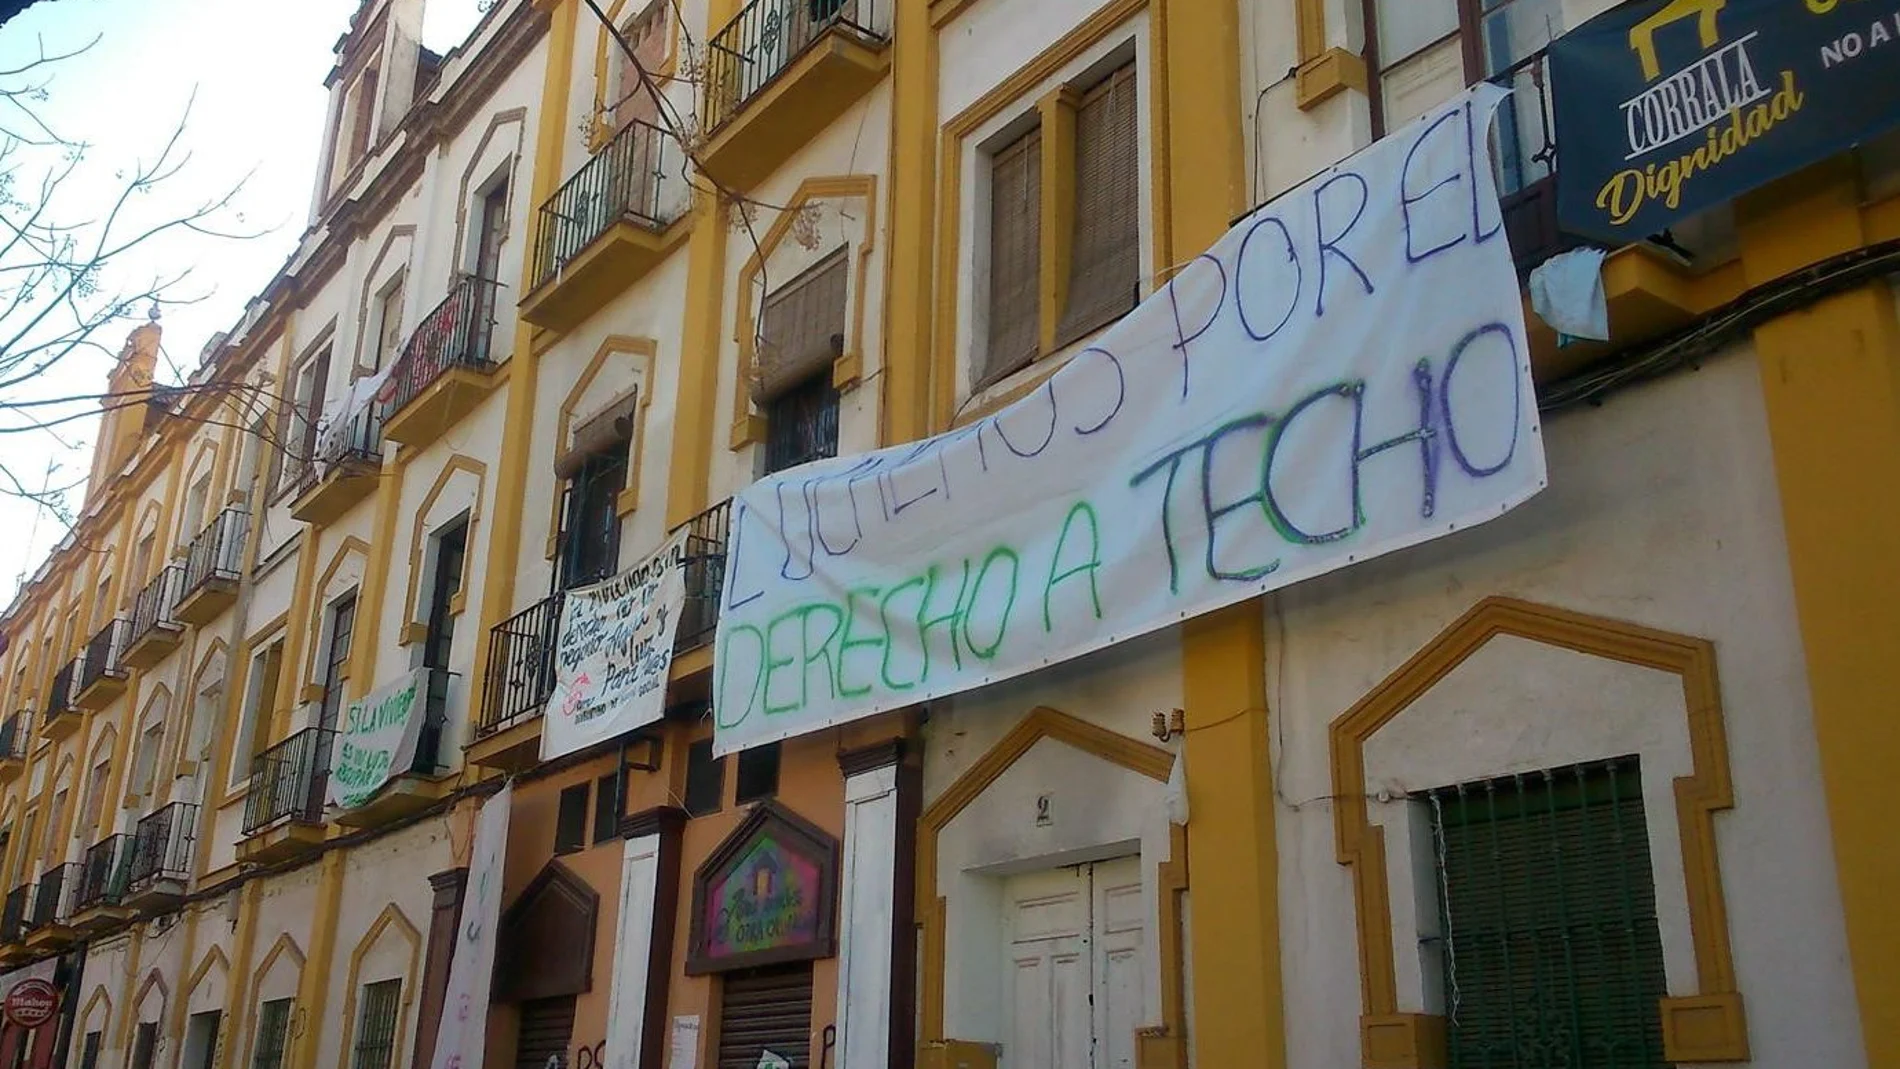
column 1105, row 257
column 801, row 330
column 801, row 424
column 273, row 1028
column 1550, row 948
column 1015, row 257
column 376, row 1031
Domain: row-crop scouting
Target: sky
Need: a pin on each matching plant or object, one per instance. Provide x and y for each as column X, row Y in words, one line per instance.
column 251, row 73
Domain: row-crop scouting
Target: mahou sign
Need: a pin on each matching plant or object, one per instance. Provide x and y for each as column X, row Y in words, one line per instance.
column 31, row 1003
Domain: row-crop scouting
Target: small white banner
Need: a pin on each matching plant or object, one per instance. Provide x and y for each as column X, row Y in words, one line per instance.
column 1344, row 374
column 462, row 1035
column 377, row 741
column 614, row 652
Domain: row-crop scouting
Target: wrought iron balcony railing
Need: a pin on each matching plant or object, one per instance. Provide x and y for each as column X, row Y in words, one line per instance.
column 101, row 659
column 766, row 36
column 638, row 176
column 53, row 897
column 457, row 333
column 13, row 914
column 16, row 735
column 152, row 609
column 354, row 440
column 162, row 845
column 217, row 552
column 60, row 695
column 288, row 781
column 520, row 666
column 705, row 576
column 105, row 872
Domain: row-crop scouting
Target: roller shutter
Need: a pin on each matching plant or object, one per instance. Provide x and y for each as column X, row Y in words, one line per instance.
column 766, row 1009
column 547, row 1029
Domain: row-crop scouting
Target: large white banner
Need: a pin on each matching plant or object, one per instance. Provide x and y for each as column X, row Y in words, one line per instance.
column 1344, row 374
column 463, row 1031
column 378, row 739
column 614, row 653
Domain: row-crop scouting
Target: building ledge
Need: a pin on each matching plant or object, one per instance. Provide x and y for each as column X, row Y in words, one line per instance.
column 1648, row 296
column 340, row 489
column 99, row 918
column 153, row 646
column 280, row 841
column 619, row 257
column 511, row 749
column 10, row 770
column 100, row 693
column 810, row 94
column 400, row 797
column 204, row 604
column 13, row 954
column 159, row 894
column 455, row 393
column 50, row 938
column 62, row 726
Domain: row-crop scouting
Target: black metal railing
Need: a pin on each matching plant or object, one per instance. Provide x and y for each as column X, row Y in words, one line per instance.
column 101, row 659
column 52, row 899
column 217, row 552
column 636, row 176
column 152, row 609
column 104, row 873
column 16, row 736
column 59, row 696
column 706, row 536
column 13, row 914
column 457, row 333
column 766, row 36
column 162, row 845
column 520, row 666
column 355, row 440
column 1526, row 153
column 435, row 718
column 289, row 780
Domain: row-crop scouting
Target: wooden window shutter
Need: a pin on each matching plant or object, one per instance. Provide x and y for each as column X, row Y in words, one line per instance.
column 801, row 330
column 1105, row 262
column 1015, row 257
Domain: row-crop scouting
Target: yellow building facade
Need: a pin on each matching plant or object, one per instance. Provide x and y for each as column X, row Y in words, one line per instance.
column 571, row 286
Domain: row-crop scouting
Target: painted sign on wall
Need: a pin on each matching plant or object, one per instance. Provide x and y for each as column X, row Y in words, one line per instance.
column 614, row 652
column 766, row 895
column 1344, row 374
column 1667, row 107
column 460, row 1036
column 377, row 739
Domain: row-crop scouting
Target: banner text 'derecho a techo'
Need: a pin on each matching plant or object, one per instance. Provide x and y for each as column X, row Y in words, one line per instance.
column 1345, row 373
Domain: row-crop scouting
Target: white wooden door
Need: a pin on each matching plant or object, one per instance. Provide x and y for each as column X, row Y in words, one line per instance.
column 1073, row 985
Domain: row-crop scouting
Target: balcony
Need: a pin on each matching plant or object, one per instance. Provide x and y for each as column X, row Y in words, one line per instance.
column 103, row 876
column 421, row 785
column 16, row 740
column 705, row 581
column 283, row 813
column 62, row 713
column 162, row 854
column 101, row 675
column 444, row 370
column 782, row 71
column 155, row 630
column 214, row 563
column 607, row 227
column 13, row 918
column 520, row 678
column 345, row 469
column 1526, row 154
column 50, row 927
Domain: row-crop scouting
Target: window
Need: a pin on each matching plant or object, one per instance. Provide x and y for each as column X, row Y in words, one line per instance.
column 336, row 664
column 758, row 774
column 88, row 1051
column 570, row 823
column 201, row 1040
column 376, row 1028
column 145, row 764
column 646, row 33
column 142, row 558
column 197, row 506
column 607, row 804
column 248, row 459
column 301, row 417
column 144, row 1045
column 801, row 424
column 705, row 779
column 1049, row 289
column 386, row 322
column 362, row 115
column 801, row 333
column 273, row 1028
column 590, row 545
column 1548, row 914
column 253, row 734
column 450, row 553
column 50, row 850
column 492, row 219
column 96, row 791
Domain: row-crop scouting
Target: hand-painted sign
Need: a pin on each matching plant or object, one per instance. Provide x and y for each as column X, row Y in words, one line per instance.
column 766, row 895
column 31, row 1003
column 377, row 741
column 462, row 1034
column 614, row 653
column 1344, row 374
column 1667, row 107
